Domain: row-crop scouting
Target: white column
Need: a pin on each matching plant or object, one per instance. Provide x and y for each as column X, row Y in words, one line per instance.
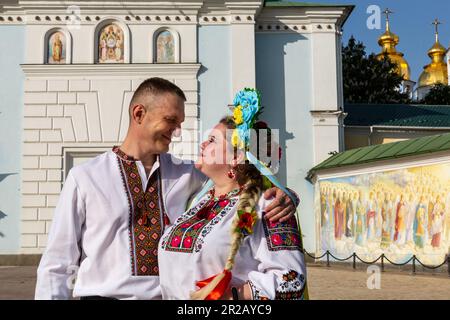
column 242, row 56
column 325, row 65
column 327, row 93
column 242, row 49
column 328, row 133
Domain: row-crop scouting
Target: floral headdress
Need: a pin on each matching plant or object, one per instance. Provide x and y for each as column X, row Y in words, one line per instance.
column 246, row 109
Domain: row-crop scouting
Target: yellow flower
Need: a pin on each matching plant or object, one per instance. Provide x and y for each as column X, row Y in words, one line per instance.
column 235, row 138
column 237, row 114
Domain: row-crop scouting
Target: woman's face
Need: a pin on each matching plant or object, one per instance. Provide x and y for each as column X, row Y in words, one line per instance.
column 216, row 153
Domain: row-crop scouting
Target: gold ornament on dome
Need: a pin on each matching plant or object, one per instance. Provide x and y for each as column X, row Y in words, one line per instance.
column 437, row 71
column 388, row 41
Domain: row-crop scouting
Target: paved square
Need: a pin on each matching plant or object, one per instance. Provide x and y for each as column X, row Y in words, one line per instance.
column 324, row 283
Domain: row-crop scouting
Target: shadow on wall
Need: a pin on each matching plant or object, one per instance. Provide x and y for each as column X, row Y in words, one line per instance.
column 271, row 81
column 3, row 215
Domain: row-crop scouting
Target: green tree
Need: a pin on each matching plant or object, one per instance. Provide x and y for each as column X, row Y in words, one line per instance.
column 439, row 94
column 367, row 79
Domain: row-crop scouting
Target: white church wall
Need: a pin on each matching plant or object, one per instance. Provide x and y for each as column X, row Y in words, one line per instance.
column 300, row 80
column 70, row 109
column 283, row 75
column 139, row 37
column 242, row 56
column 214, row 78
column 77, row 110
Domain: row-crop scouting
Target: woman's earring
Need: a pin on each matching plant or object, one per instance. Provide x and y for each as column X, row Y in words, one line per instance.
column 232, row 174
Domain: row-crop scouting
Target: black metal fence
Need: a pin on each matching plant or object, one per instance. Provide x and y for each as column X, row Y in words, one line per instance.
column 383, row 259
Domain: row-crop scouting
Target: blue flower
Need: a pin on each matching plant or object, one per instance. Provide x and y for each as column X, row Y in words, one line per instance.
column 246, row 106
column 249, row 100
column 244, row 133
column 238, row 97
column 248, row 113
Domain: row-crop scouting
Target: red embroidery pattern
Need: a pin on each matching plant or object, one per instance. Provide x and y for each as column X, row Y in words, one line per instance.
column 145, row 222
column 282, row 235
column 184, row 235
column 291, row 287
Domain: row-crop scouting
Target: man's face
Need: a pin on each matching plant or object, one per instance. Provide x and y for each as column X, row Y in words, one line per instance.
column 164, row 116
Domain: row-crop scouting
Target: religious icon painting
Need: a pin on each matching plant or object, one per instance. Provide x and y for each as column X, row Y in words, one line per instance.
column 165, row 47
column 399, row 213
column 111, row 44
column 56, row 48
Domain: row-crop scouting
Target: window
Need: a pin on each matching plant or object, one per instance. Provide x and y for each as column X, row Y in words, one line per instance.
column 165, row 47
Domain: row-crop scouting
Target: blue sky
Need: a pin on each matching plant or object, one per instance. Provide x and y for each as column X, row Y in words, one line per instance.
column 411, row 21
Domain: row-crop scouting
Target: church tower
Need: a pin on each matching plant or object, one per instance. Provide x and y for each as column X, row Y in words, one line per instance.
column 437, row 70
column 388, row 42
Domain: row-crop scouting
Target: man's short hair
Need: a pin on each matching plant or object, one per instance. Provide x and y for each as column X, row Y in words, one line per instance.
column 153, row 87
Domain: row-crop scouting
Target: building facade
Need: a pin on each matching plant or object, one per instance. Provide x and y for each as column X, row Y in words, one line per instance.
column 68, row 74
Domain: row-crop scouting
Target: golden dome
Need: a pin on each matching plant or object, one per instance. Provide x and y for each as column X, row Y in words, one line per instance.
column 436, row 71
column 387, row 42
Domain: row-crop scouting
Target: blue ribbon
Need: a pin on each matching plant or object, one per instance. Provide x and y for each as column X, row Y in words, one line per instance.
column 267, row 173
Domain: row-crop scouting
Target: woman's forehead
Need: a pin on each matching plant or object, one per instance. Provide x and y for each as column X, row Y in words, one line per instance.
column 218, row 130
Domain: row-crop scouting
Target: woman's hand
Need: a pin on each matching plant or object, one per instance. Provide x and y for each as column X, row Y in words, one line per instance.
column 282, row 208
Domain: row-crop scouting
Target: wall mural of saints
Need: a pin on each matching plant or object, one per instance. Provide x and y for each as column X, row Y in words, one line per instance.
column 56, row 50
column 165, row 47
column 111, row 44
column 398, row 213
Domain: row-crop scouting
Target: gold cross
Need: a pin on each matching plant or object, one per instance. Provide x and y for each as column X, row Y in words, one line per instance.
column 387, row 12
column 436, row 24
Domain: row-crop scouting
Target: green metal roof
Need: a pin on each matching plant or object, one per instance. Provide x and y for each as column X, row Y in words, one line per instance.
column 394, row 150
column 397, row 115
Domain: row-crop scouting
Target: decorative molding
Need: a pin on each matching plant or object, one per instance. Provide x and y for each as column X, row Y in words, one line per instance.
column 124, row 6
column 320, row 19
column 216, row 19
column 281, row 28
column 219, row 12
column 13, row 19
column 90, row 12
column 135, row 70
column 93, row 19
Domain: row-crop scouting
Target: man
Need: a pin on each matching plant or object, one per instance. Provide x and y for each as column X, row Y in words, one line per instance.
column 113, row 209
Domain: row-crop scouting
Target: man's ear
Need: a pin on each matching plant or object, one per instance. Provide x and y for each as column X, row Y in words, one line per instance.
column 138, row 113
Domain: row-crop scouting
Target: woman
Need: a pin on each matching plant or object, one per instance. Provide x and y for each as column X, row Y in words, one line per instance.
column 223, row 242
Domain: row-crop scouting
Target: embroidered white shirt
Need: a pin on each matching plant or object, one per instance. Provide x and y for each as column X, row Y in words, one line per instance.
column 90, row 234
column 196, row 247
